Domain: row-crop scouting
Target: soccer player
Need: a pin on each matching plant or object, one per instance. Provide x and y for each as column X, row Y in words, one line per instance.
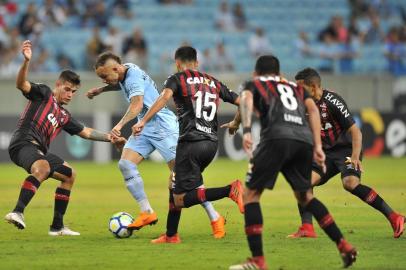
column 342, row 143
column 161, row 133
column 42, row 120
column 196, row 97
column 287, row 145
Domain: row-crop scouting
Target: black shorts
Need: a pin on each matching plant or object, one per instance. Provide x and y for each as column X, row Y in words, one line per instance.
column 192, row 157
column 335, row 163
column 25, row 154
column 292, row 158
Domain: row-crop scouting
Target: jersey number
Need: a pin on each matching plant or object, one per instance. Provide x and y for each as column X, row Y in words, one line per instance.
column 209, row 102
column 287, row 97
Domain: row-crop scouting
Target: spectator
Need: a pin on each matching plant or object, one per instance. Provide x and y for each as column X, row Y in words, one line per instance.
column 135, row 49
column 328, row 52
column 223, row 18
column 221, row 60
column 259, row 43
column 348, row 52
column 114, row 40
column 206, row 63
column 10, row 64
column 303, row 46
column 374, row 34
column 240, row 21
column 395, row 53
column 383, row 9
column 96, row 14
column 51, row 14
column 336, row 30
column 29, row 24
column 122, row 8
column 353, row 28
column 358, row 7
column 64, row 62
column 95, row 46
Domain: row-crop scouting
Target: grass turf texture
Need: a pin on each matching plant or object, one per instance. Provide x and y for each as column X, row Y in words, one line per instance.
column 100, row 192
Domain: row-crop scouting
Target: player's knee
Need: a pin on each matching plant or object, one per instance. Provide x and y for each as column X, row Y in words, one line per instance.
column 41, row 172
column 71, row 179
column 350, row 182
column 250, row 196
column 127, row 167
column 178, row 200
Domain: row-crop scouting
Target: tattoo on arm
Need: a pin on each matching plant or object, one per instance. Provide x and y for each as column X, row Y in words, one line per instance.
column 96, row 135
column 246, row 104
column 108, row 88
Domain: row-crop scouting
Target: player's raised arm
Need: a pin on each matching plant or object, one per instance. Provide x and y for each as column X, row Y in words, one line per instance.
column 163, row 98
column 98, row 90
column 246, row 107
column 21, row 82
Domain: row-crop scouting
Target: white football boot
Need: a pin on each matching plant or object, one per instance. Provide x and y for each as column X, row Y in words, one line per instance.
column 63, row 231
column 16, row 218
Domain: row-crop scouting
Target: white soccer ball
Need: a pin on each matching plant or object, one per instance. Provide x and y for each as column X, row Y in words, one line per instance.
column 118, row 225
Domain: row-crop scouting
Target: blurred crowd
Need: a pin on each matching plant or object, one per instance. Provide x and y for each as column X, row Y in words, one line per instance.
column 337, row 45
column 341, row 41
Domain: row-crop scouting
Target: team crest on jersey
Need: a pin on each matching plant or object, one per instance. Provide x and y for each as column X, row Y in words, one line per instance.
column 201, row 80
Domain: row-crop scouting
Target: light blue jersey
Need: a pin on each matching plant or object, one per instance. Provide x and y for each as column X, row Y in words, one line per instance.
column 137, row 83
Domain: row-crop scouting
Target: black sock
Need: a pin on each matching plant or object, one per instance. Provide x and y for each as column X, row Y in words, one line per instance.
column 369, row 196
column 305, row 215
column 324, row 219
column 253, row 228
column 172, row 221
column 201, row 195
column 61, row 203
column 28, row 189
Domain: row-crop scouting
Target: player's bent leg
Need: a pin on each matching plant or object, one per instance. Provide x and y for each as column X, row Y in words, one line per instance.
column 67, row 176
column 253, row 230
column 135, row 185
column 234, row 191
column 347, row 252
column 39, row 172
column 352, row 184
column 306, row 229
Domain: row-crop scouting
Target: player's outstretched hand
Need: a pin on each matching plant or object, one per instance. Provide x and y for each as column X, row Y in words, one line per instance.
column 118, row 142
column 137, row 128
column 232, row 127
column 319, row 157
column 356, row 163
column 93, row 92
column 247, row 144
column 26, row 50
column 116, row 131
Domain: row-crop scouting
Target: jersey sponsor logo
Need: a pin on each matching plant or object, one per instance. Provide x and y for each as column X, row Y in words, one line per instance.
column 338, row 104
column 204, row 129
column 51, row 117
column 201, row 80
column 293, row 118
column 326, row 126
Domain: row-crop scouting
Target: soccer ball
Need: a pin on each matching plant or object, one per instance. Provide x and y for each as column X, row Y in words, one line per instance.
column 118, row 225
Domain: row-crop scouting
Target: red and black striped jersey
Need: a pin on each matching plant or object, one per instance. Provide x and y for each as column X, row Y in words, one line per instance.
column 336, row 119
column 281, row 108
column 43, row 119
column 196, row 96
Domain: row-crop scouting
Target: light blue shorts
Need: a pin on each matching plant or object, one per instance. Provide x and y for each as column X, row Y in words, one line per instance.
column 145, row 145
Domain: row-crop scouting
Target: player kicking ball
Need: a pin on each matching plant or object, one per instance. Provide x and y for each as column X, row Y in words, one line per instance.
column 161, row 134
column 196, row 97
column 342, row 143
column 43, row 119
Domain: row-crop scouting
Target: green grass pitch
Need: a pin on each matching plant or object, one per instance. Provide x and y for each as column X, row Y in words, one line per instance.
column 100, row 192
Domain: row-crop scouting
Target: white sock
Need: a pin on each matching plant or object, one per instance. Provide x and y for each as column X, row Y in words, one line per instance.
column 208, row 206
column 145, row 206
